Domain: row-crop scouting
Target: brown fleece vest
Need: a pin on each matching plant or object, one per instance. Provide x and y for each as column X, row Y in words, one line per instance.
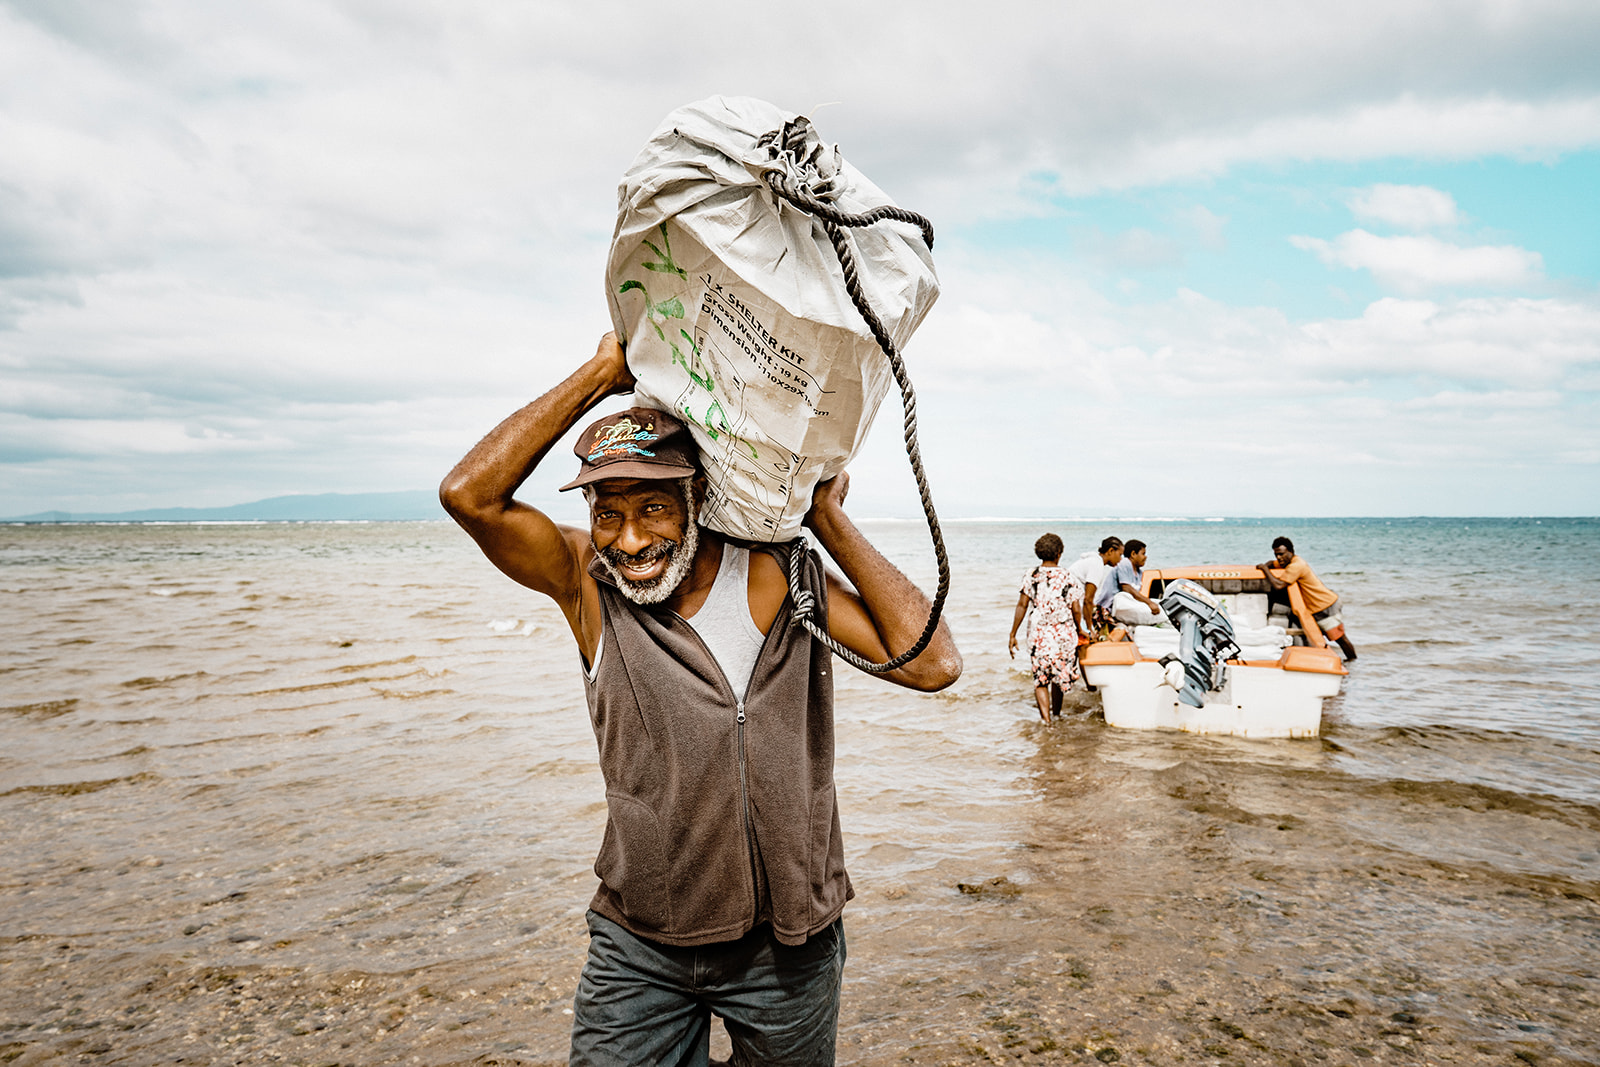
column 714, row 824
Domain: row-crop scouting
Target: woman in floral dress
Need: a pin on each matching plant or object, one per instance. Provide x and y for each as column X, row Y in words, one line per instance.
column 1053, row 593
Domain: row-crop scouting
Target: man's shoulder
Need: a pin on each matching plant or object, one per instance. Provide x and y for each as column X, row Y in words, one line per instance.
column 767, row 563
column 768, row 582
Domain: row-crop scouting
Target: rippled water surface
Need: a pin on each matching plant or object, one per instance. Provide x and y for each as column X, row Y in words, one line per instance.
column 326, row 793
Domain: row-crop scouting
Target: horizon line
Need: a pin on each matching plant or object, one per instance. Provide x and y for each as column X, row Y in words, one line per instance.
column 898, row 520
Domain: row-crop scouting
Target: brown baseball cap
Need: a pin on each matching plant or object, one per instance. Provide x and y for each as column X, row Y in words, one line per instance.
column 636, row 443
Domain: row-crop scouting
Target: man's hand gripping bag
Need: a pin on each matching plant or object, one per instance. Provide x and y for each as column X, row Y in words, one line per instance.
column 733, row 308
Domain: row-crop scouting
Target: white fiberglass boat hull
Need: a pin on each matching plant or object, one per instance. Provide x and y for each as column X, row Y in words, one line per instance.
column 1265, row 701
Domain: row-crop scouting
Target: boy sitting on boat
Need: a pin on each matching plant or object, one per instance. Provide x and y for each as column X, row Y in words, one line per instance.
column 1123, row 598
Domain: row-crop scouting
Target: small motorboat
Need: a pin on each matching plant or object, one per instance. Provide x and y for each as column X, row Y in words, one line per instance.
column 1227, row 662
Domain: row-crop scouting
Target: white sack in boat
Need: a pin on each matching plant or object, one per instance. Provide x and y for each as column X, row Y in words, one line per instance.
column 1255, row 643
column 733, row 310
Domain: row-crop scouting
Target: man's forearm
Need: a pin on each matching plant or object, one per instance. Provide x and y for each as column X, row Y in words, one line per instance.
column 490, row 473
column 898, row 609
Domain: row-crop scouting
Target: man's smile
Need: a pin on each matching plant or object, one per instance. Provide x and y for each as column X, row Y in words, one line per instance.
column 643, row 569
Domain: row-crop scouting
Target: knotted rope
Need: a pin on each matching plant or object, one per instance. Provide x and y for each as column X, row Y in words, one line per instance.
column 834, row 222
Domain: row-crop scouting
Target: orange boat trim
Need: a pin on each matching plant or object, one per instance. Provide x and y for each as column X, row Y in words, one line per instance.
column 1110, row 654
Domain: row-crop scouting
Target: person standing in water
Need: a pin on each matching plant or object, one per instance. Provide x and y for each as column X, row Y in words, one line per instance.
column 722, row 873
column 1285, row 569
column 1056, row 596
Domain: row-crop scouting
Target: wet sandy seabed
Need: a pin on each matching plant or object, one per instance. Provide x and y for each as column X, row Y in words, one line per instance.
column 328, row 795
column 1186, row 913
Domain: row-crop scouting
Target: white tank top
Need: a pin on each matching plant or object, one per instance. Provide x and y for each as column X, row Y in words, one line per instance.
column 723, row 621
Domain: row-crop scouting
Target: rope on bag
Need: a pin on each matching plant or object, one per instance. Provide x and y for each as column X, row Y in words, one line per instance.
column 792, row 138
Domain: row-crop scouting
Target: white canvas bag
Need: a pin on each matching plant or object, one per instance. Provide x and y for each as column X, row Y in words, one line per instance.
column 732, row 306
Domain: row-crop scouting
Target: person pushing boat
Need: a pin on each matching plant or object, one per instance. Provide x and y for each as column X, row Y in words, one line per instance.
column 1285, row 569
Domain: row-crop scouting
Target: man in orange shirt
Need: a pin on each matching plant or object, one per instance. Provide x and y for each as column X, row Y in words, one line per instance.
column 1286, row 569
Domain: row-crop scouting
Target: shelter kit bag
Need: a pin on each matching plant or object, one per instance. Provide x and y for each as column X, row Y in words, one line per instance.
column 737, row 314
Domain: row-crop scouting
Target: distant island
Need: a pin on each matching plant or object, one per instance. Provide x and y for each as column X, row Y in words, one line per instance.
column 319, row 507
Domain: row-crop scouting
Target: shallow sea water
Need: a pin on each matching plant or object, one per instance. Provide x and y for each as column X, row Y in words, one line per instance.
column 326, row 793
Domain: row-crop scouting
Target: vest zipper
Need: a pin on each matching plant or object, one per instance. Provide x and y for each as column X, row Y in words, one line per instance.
column 744, row 787
column 744, row 790
column 749, row 830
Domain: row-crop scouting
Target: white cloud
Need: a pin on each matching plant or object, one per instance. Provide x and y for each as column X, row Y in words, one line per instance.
column 1038, row 393
column 1132, row 249
column 1412, row 207
column 1500, row 399
column 1407, row 127
column 1413, row 264
column 1523, row 342
column 128, row 437
column 322, row 244
column 1209, row 228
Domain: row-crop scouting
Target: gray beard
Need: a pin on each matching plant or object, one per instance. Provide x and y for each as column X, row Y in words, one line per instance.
column 680, row 557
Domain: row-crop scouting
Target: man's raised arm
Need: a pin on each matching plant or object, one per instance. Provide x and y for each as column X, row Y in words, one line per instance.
column 885, row 613
column 521, row 541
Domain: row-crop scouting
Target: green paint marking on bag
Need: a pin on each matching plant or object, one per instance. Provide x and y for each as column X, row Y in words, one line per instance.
column 707, row 383
column 666, row 266
column 657, row 313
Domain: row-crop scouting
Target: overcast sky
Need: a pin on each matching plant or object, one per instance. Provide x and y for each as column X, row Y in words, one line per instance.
column 1220, row 259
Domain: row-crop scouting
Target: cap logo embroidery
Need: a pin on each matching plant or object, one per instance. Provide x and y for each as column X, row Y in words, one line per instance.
column 621, row 438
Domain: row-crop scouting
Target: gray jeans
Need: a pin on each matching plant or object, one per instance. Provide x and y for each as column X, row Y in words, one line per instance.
column 642, row 1002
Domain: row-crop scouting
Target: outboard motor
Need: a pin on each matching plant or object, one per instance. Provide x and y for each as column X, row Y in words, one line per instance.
column 1206, row 640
